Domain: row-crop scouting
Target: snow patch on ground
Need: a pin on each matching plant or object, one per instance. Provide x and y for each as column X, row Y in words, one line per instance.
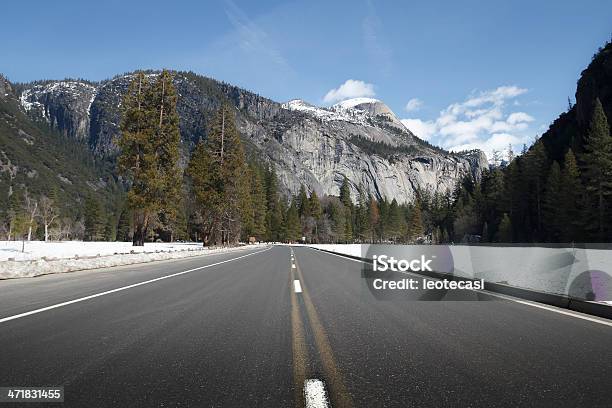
column 43, row 258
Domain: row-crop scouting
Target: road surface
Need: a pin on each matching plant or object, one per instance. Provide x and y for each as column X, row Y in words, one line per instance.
column 236, row 330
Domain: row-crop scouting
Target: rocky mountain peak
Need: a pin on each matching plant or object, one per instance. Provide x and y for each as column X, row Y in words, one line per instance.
column 5, row 87
column 65, row 105
column 373, row 107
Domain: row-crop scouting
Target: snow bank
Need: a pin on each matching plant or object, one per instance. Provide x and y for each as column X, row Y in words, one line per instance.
column 576, row 272
column 11, row 250
column 43, row 258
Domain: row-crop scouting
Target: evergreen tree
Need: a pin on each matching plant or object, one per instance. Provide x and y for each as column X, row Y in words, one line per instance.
column 552, row 204
column 571, row 198
column 490, row 201
column 374, row 218
column 294, row 230
column 149, row 150
column 274, row 212
column 219, row 174
column 597, row 170
column 347, row 202
column 257, row 228
column 415, row 226
column 94, row 220
column 16, row 216
column 123, row 226
column 362, row 219
column 504, row 232
column 397, row 223
column 110, row 233
column 303, row 202
column 536, row 172
column 315, row 205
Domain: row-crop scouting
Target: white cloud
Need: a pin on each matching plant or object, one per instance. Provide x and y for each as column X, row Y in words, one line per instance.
column 350, row 89
column 252, row 39
column 497, row 142
column 413, row 105
column 422, row 129
column 479, row 122
column 375, row 43
column 519, row 117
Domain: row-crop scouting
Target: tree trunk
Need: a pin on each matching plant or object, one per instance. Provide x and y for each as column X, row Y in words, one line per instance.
column 46, row 232
column 141, row 223
column 139, row 233
column 30, row 233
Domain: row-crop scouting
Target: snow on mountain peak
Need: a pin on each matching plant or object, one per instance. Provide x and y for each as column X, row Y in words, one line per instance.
column 354, row 102
column 361, row 111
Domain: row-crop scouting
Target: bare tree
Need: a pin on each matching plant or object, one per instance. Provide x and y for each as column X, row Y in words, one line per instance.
column 30, row 206
column 48, row 214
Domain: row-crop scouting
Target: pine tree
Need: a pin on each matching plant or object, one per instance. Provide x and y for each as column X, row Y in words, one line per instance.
column 552, row 203
column 415, row 226
column 294, row 230
column 337, row 213
column 345, row 193
column 16, row 216
column 374, row 218
column 315, row 205
column 258, row 205
column 110, row 233
column 571, row 198
column 219, row 177
column 274, row 212
column 504, row 232
column 362, row 219
column 94, row 220
column 537, row 169
column 597, row 170
column 397, row 223
column 123, row 226
column 149, row 146
column 303, row 202
column 347, row 202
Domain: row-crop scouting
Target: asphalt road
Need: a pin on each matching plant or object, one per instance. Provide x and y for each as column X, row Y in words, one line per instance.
column 236, row 334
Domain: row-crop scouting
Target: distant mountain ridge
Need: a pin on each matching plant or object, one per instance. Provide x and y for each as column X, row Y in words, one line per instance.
column 305, row 144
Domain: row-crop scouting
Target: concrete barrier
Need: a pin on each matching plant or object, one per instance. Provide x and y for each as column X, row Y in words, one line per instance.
column 554, row 299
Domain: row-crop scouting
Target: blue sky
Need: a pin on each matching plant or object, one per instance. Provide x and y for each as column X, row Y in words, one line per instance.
column 462, row 74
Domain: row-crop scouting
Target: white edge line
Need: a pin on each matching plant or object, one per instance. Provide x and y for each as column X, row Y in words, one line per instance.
column 44, row 309
column 577, row 315
column 297, row 287
column 315, row 394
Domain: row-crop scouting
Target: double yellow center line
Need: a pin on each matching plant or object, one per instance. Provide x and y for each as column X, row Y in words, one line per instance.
column 337, row 391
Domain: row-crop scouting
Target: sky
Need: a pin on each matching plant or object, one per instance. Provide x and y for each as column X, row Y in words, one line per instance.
column 462, row 75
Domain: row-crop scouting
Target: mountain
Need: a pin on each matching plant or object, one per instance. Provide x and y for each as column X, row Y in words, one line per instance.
column 41, row 158
column 569, row 128
column 361, row 138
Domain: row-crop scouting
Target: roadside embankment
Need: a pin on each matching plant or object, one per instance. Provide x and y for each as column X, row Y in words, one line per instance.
column 45, row 258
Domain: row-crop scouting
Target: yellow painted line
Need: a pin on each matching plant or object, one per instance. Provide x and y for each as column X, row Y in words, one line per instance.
column 338, row 394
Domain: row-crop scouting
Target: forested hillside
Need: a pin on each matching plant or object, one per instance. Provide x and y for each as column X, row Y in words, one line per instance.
column 558, row 190
column 37, row 161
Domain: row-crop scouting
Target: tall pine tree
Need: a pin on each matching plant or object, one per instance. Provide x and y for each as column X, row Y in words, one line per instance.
column 220, row 182
column 597, row 170
column 149, row 150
